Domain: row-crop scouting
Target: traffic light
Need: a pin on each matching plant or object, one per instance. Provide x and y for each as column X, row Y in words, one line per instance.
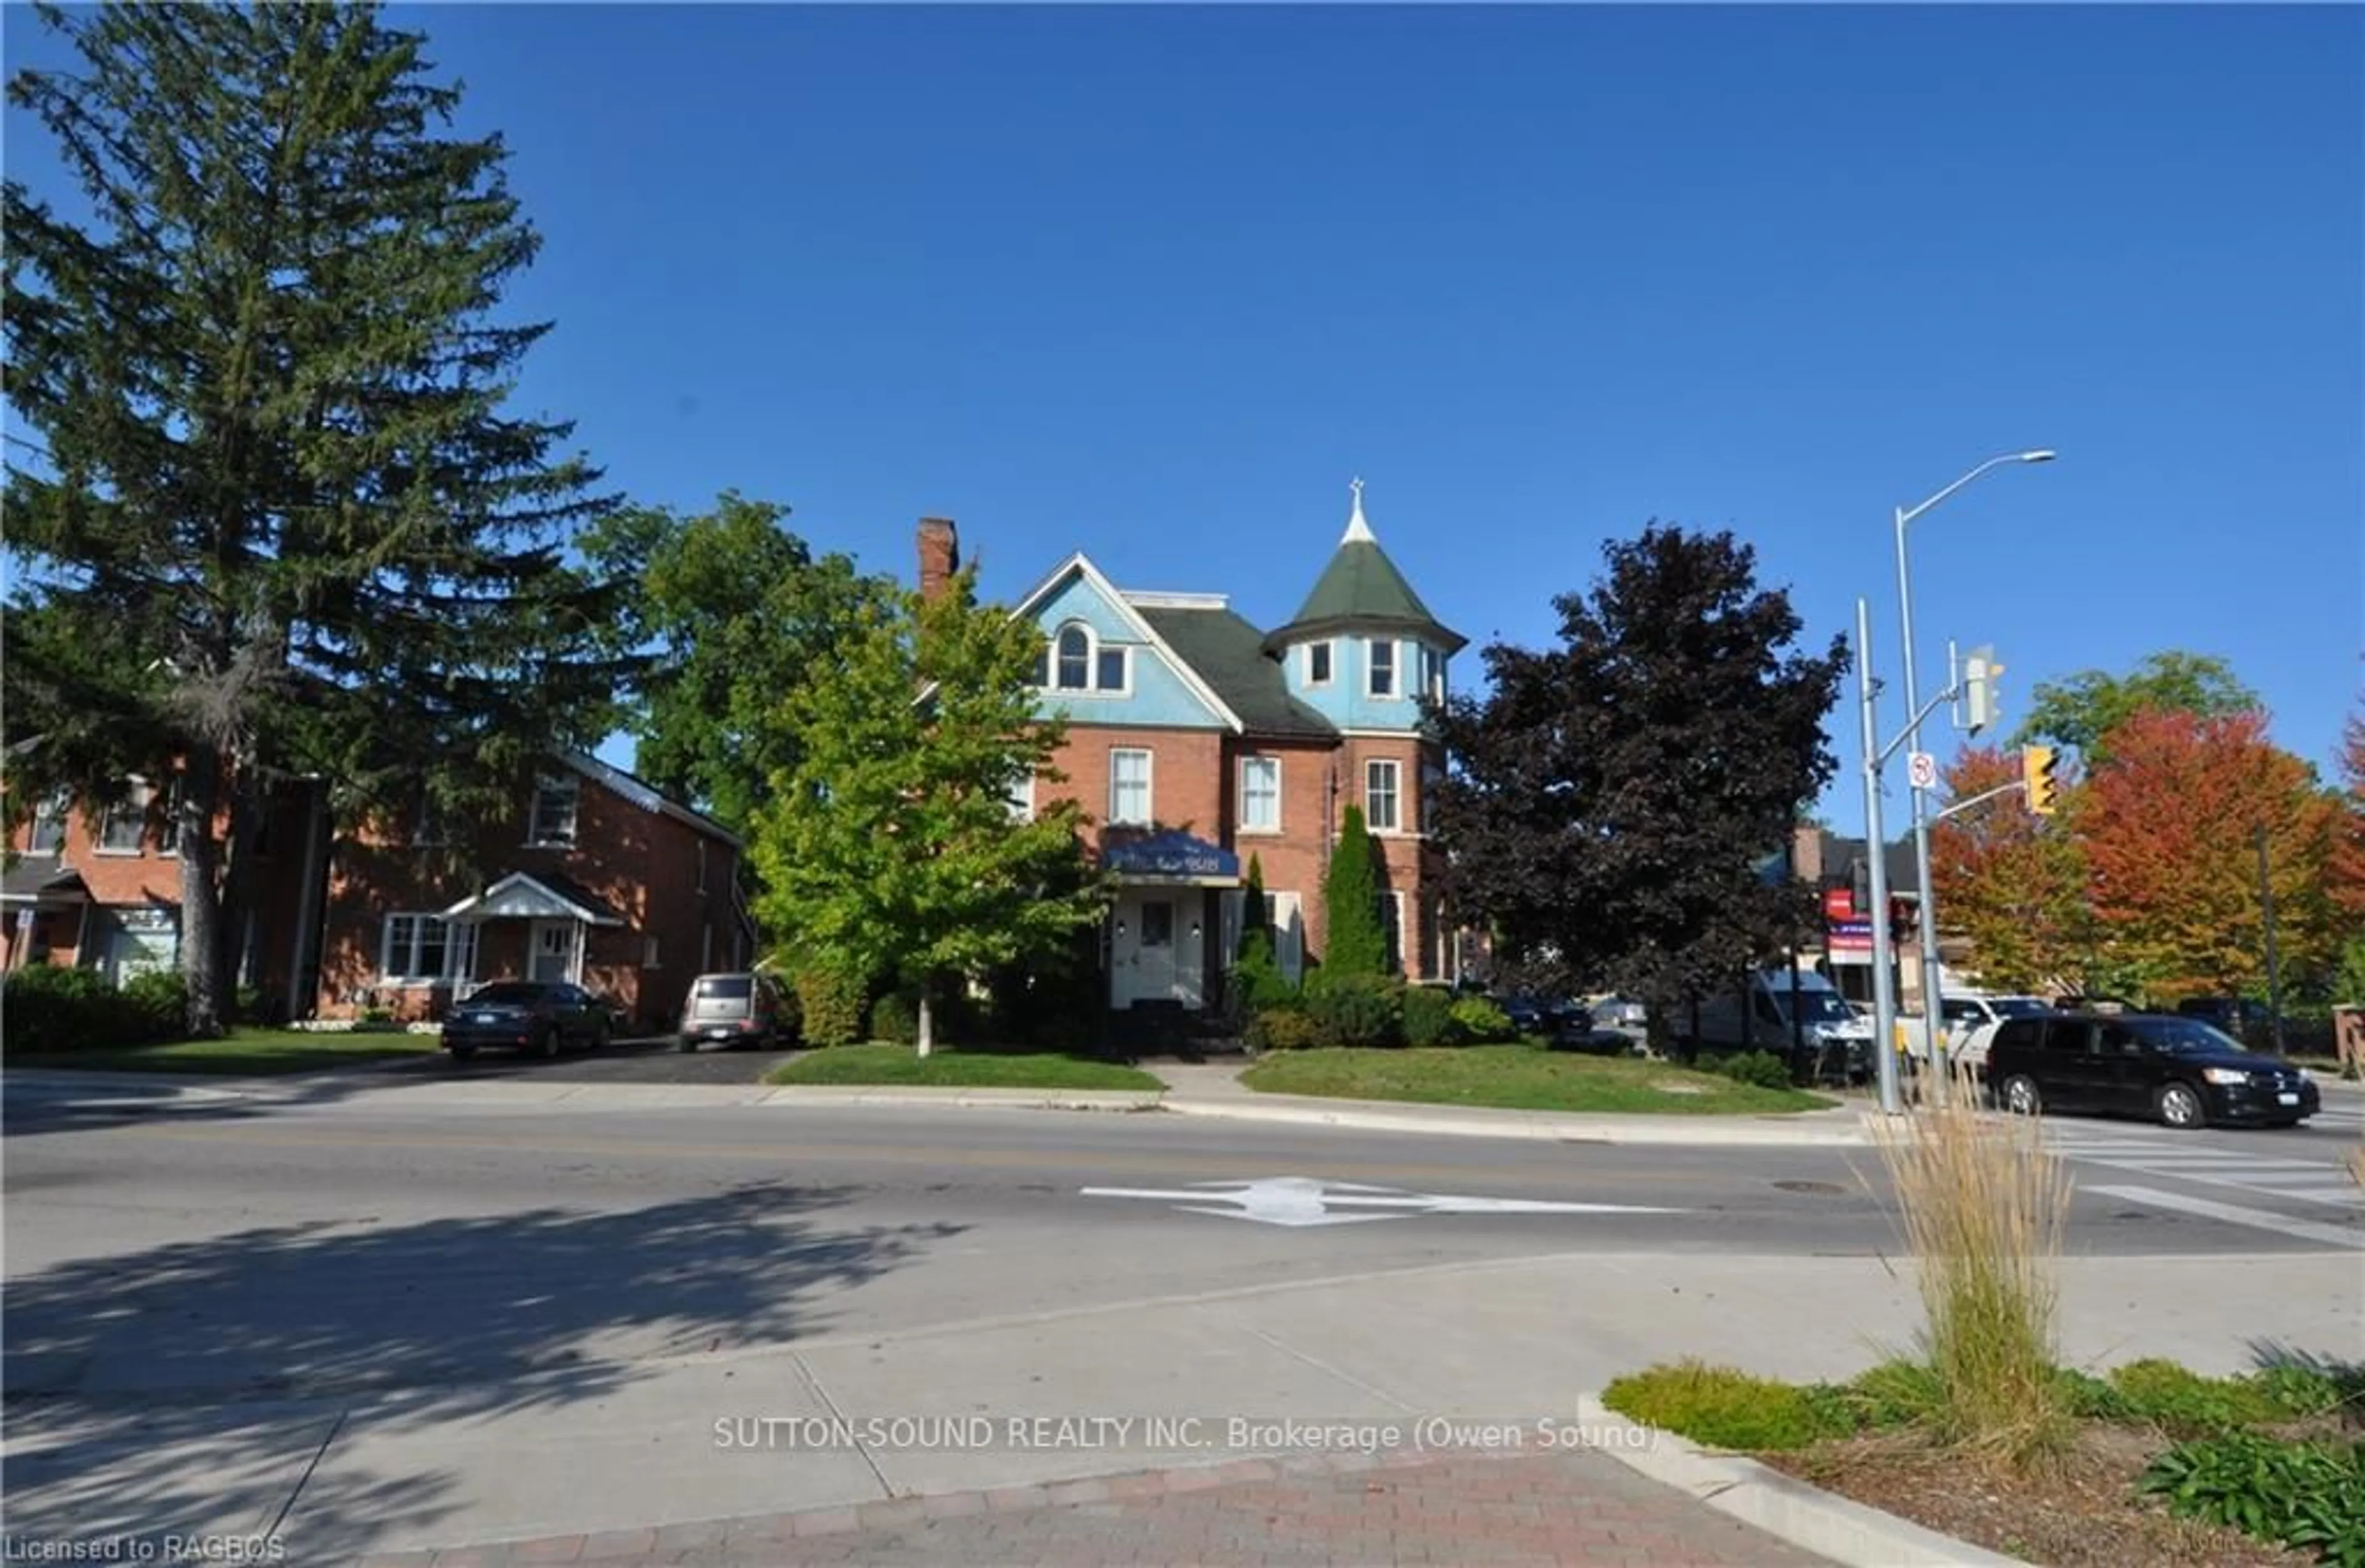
column 1860, row 887
column 1979, row 672
column 2039, row 767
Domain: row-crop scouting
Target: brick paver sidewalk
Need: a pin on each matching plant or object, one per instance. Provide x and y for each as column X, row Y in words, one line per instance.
column 1572, row 1508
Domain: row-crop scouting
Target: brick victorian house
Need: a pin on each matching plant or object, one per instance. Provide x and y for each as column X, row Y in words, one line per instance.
column 595, row 878
column 1196, row 741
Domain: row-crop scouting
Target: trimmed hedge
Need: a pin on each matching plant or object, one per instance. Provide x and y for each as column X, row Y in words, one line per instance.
column 53, row 1007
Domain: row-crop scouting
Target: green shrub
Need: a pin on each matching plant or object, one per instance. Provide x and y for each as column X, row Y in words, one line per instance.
column 157, row 1004
column 1284, row 1029
column 1760, row 1069
column 2310, row 1495
column 1429, row 1018
column 895, row 1018
column 1480, row 1023
column 791, row 1014
column 829, row 1003
column 1359, row 1011
column 2090, row 1398
column 2314, row 1389
column 1257, row 980
column 2183, row 1403
column 53, row 1007
column 1896, row 1394
column 1719, row 1408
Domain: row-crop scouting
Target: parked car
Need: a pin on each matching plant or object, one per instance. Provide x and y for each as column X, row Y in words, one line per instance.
column 1551, row 1017
column 734, row 1010
column 541, row 1016
column 1971, row 1018
column 2177, row 1070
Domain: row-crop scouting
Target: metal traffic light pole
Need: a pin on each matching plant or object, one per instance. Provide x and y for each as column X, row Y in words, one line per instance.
column 1884, row 1001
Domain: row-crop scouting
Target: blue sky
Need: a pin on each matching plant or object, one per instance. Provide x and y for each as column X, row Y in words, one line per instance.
column 1156, row 282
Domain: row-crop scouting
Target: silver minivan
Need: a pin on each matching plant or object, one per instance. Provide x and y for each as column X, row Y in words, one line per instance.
column 734, row 1010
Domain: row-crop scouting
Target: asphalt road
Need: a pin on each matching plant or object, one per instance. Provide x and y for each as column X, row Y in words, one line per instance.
column 379, row 1328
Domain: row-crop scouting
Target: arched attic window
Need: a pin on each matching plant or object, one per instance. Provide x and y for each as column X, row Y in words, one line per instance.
column 1079, row 663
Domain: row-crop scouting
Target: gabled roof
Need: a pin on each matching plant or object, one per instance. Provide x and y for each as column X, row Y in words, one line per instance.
column 1228, row 655
column 1362, row 587
column 538, row 894
column 1191, row 677
column 645, row 795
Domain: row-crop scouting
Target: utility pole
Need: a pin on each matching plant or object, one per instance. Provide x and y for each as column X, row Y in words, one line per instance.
column 2274, row 967
column 1884, row 1002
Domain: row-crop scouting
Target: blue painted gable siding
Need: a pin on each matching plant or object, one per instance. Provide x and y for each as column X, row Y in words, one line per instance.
column 1159, row 697
column 1345, row 701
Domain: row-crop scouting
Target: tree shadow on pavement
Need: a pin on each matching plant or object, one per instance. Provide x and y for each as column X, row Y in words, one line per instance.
column 190, row 1387
column 31, row 1103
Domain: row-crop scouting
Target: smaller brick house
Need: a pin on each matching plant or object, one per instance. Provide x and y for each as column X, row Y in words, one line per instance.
column 596, row 878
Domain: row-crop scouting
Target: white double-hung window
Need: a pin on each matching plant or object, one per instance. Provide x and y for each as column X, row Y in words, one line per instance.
column 1259, row 794
column 1130, row 786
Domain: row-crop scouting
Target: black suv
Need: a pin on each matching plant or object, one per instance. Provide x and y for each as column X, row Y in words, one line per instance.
column 2143, row 1064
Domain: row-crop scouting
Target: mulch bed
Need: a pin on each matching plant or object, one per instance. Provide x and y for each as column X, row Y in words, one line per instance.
column 2082, row 1513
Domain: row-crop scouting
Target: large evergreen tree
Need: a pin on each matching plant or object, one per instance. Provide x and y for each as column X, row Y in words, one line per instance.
column 278, row 520
column 889, row 849
column 1615, row 799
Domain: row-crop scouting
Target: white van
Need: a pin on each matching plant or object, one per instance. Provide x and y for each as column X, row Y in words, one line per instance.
column 1761, row 1019
column 1969, row 1018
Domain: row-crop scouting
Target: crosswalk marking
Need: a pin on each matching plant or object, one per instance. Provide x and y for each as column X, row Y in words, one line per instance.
column 2269, row 1171
column 2234, row 1214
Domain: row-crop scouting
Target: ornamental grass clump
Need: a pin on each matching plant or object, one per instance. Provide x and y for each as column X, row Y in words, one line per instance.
column 1983, row 1206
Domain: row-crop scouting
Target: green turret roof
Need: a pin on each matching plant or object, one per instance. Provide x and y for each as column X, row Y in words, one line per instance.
column 1362, row 587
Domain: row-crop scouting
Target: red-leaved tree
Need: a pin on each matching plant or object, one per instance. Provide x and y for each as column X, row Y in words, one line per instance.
column 2169, row 824
column 2013, row 883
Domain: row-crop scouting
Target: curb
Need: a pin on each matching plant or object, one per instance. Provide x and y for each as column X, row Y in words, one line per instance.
column 1845, row 1531
column 1543, row 1127
column 810, row 1095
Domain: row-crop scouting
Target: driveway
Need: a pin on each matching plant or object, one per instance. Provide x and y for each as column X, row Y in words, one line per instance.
column 654, row 1061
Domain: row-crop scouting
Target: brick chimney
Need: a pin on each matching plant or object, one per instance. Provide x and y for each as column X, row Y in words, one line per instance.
column 939, row 555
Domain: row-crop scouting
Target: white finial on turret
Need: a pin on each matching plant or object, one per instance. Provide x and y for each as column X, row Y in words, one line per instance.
column 1356, row 527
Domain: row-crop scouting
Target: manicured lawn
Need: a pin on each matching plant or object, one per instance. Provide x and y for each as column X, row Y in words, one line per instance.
column 242, row 1052
column 885, row 1064
column 1518, row 1078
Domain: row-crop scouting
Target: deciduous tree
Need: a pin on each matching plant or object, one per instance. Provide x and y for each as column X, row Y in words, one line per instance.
column 1615, row 799
column 2012, row 882
column 278, row 518
column 2347, row 860
column 889, row 845
column 2081, row 711
column 2169, row 824
column 734, row 609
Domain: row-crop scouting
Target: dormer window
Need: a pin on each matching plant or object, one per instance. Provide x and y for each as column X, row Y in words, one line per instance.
column 555, row 798
column 1079, row 662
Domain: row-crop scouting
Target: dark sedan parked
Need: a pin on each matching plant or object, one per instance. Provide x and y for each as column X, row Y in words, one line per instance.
column 527, row 1016
column 2179, row 1070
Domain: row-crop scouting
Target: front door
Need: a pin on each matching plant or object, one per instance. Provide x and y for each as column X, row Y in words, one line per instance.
column 550, row 952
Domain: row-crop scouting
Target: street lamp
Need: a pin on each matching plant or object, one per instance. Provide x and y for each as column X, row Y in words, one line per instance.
column 1928, row 913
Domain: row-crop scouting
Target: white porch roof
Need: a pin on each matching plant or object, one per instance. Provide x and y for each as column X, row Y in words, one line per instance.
column 521, row 896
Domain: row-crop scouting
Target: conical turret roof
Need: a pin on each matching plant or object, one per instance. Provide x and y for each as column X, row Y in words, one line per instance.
column 1361, row 589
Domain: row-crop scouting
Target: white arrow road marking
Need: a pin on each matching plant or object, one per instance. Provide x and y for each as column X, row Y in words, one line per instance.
column 1299, row 1201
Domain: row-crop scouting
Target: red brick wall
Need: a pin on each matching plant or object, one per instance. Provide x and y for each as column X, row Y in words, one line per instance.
column 1187, row 788
column 152, row 877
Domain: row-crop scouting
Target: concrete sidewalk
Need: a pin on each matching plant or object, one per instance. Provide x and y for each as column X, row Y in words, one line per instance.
column 590, row 1445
